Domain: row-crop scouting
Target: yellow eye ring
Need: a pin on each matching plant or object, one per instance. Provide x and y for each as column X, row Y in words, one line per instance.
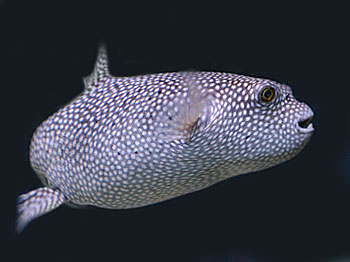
column 267, row 94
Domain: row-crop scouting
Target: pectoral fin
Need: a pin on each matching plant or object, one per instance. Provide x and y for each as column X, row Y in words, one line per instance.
column 190, row 115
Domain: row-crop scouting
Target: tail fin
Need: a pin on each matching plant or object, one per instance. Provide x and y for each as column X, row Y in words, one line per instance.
column 36, row 203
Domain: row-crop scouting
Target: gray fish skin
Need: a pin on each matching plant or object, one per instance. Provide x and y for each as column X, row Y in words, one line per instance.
column 128, row 142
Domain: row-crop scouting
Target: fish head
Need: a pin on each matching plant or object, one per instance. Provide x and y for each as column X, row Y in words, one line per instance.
column 269, row 125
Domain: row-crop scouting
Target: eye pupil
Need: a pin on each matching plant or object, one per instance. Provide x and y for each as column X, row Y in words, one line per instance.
column 267, row 93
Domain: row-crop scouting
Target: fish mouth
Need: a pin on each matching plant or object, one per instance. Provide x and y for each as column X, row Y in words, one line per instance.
column 304, row 124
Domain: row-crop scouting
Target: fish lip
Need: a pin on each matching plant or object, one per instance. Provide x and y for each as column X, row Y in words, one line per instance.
column 304, row 124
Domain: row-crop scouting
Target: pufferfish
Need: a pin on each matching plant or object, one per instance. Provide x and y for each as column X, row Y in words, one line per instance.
column 128, row 142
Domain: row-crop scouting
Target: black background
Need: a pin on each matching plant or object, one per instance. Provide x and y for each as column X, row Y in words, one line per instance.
column 297, row 211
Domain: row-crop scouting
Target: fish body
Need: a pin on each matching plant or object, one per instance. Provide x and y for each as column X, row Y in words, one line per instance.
column 128, row 142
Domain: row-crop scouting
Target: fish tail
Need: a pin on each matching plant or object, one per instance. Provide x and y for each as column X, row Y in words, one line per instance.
column 36, row 203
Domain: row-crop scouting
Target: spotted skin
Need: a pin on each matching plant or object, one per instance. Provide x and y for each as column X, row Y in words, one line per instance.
column 128, row 142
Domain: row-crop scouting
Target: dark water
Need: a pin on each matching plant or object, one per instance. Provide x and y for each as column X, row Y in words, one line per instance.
column 298, row 211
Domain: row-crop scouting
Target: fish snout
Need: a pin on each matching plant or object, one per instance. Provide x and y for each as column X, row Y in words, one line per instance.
column 304, row 124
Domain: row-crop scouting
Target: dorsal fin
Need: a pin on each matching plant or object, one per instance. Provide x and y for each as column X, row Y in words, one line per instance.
column 101, row 70
column 190, row 115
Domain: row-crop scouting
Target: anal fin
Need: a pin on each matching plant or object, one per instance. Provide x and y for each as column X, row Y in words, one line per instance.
column 37, row 203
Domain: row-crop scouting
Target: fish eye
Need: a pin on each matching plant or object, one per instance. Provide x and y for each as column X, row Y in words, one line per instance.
column 267, row 94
